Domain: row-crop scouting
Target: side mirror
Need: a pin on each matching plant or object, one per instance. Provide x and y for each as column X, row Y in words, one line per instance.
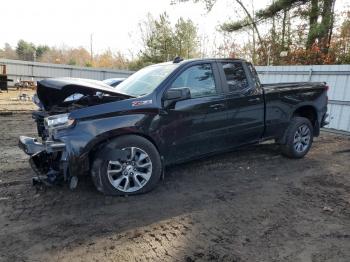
column 177, row 94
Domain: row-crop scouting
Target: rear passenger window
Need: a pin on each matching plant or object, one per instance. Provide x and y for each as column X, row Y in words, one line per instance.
column 235, row 77
column 254, row 75
column 199, row 79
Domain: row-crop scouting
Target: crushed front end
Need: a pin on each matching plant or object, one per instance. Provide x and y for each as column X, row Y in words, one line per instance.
column 60, row 154
column 48, row 159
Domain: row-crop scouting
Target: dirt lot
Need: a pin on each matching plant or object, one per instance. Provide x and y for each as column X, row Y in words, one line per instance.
column 249, row 205
column 9, row 101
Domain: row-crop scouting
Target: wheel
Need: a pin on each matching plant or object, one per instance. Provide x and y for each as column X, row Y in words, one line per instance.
column 299, row 138
column 138, row 173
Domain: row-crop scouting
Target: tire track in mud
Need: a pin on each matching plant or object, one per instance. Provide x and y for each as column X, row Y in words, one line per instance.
column 246, row 205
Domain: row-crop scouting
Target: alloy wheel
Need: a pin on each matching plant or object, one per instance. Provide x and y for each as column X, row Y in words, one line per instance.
column 133, row 174
column 302, row 138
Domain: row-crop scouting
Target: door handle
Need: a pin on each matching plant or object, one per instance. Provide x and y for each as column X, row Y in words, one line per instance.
column 217, row 106
column 254, row 99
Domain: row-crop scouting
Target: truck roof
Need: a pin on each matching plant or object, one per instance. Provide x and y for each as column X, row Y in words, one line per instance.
column 180, row 61
column 209, row 60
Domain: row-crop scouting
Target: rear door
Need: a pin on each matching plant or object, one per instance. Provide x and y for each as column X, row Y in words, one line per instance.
column 245, row 103
column 196, row 126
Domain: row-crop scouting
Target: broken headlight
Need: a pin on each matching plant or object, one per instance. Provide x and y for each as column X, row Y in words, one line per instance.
column 36, row 100
column 58, row 121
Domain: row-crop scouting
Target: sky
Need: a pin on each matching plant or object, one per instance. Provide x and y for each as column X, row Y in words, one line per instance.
column 112, row 23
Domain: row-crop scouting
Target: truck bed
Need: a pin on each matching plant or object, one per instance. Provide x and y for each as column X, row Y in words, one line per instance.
column 293, row 85
column 281, row 98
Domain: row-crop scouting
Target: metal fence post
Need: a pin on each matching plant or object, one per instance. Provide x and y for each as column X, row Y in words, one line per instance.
column 310, row 74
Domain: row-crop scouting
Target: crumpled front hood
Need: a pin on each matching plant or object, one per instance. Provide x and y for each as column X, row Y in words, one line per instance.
column 54, row 91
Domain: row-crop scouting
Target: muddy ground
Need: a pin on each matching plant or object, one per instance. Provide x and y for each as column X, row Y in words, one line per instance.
column 248, row 205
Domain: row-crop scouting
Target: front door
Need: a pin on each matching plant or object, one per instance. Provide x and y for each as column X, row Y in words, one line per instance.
column 196, row 126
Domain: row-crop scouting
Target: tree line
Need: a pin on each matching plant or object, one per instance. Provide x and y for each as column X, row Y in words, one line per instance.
column 63, row 55
column 299, row 31
column 285, row 32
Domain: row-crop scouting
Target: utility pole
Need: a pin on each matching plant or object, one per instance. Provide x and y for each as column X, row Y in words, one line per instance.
column 91, row 54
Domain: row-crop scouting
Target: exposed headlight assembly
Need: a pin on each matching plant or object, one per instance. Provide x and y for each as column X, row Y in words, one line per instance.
column 58, row 121
column 36, row 100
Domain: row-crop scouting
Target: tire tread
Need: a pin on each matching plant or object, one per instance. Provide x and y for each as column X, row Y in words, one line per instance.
column 98, row 168
column 287, row 149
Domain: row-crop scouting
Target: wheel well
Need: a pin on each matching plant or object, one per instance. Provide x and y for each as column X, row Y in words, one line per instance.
column 103, row 142
column 310, row 113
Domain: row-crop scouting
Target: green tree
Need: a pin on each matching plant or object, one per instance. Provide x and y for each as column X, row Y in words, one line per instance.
column 163, row 42
column 319, row 13
column 248, row 21
column 185, row 38
column 41, row 50
column 159, row 45
column 72, row 62
column 25, row 50
column 29, row 52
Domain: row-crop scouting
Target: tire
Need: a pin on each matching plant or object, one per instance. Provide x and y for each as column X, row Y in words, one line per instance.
column 132, row 179
column 297, row 145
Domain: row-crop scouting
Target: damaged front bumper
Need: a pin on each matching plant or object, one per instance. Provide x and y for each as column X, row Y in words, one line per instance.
column 47, row 159
column 31, row 145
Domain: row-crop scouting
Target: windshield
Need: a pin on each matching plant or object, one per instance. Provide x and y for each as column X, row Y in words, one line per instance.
column 109, row 81
column 113, row 81
column 146, row 80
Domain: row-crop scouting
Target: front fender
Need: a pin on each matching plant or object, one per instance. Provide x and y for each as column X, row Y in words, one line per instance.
column 86, row 135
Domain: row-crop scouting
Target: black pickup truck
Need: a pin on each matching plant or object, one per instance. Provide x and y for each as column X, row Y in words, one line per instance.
column 165, row 114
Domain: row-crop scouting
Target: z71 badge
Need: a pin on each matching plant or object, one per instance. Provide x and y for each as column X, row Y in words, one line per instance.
column 141, row 103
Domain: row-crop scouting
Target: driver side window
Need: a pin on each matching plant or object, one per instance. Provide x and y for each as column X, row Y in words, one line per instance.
column 199, row 79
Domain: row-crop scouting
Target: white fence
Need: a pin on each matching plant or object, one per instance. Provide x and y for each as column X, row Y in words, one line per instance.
column 336, row 76
column 24, row 70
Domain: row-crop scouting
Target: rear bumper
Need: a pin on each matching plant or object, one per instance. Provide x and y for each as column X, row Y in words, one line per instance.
column 324, row 120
